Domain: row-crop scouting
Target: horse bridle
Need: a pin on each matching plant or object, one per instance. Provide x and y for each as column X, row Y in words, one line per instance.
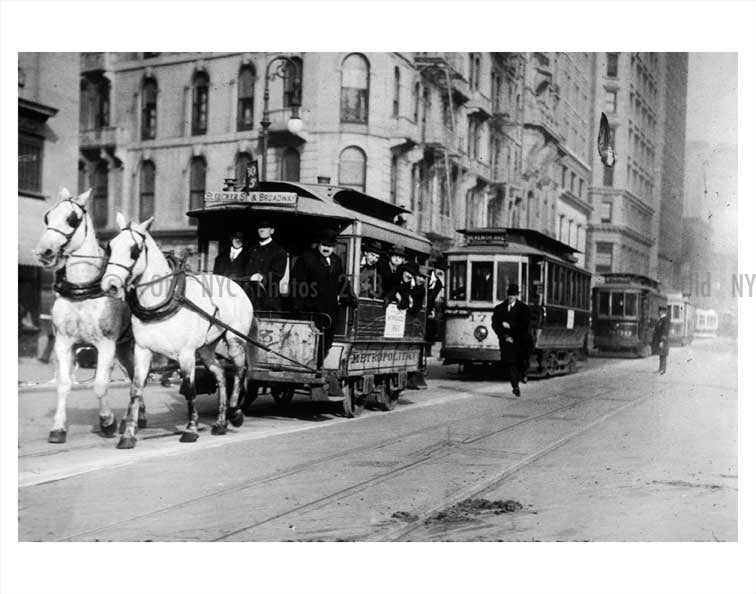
column 135, row 252
column 73, row 224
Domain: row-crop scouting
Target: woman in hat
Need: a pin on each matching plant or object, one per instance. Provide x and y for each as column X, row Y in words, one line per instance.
column 510, row 322
column 265, row 269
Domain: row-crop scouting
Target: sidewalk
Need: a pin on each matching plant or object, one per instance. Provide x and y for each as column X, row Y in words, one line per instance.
column 33, row 374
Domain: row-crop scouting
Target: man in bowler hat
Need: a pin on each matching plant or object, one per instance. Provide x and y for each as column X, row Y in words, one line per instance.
column 265, row 269
column 320, row 285
column 510, row 322
column 660, row 339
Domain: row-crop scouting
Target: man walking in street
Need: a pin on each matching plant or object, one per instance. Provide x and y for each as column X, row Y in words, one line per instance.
column 510, row 322
column 660, row 339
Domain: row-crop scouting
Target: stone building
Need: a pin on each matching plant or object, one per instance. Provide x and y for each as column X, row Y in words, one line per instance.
column 48, row 102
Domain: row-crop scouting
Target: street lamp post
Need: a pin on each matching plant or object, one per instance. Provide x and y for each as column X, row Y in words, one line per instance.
column 286, row 64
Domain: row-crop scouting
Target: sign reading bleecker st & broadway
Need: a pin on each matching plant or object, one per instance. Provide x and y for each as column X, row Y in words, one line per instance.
column 269, row 198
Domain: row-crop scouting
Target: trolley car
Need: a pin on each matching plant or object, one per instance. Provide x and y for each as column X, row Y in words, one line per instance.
column 682, row 319
column 625, row 308
column 376, row 350
column 707, row 323
column 554, row 287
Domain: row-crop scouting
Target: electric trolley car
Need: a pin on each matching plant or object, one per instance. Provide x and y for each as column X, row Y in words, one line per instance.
column 376, row 350
column 556, row 290
column 682, row 319
column 625, row 310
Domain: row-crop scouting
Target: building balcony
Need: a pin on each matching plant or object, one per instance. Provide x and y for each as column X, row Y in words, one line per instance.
column 445, row 70
column 480, row 169
column 435, row 225
column 95, row 62
column 406, row 130
column 98, row 138
column 438, row 135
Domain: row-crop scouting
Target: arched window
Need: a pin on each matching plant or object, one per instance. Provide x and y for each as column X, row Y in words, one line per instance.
column 397, row 90
column 100, row 194
column 355, row 76
column 245, row 110
column 352, row 165
column 292, row 83
column 200, row 98
column 149, row 109
column 197, row 175
column 290, row 165
column 242, row 162
column 147, row 190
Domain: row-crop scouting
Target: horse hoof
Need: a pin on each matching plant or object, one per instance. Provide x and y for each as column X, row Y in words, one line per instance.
column 237, row 418
column 57, row 436
column 108, row 430
column 188, row 437
column 126, row 443
column 142, row 422
column 219, row 430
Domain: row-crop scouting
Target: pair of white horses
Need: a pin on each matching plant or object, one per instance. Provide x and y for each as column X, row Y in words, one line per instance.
column 135, row 261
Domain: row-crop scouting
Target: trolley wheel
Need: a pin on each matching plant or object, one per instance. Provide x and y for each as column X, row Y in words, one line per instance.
column 282, row 396
column 353, row 404
column 387, row 398
column 551, row 365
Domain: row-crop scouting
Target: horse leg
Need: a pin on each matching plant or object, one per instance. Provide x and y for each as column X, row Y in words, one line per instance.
column 125, row 356
column 207, row 354
column 105, row 362
column 64, row 371
column 186, row 360
column 238, row 354
column 142, row 359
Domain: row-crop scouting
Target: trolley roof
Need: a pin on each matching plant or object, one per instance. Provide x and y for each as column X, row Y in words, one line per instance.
column 627, row 279
column 507, row 240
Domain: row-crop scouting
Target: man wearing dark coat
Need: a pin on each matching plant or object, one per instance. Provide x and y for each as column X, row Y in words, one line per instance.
column 660, row 339
column 320, row 285
column 371, row 276
column 390, row 274
column 510, row 322
column 265, row 269
column 232, row 261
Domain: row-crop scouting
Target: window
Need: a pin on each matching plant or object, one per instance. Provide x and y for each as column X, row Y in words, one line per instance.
column 397, row 90
column 290, row 165
column 481, row 283
column 416, row 101
column 604, row 254
column 30, row 163
column 580, row 188
column 147, row 190
column 572, row 182
column 292, row 83
column 603, row 303
column 149, row 109
column 100, row 194
column 394, row 178
column 476, row 72
column 355, row 76
column 610, row 102
column 352, row 164
column 94, row 108
column 246, row 104
column 606, row 212
column 618, row 304
column 564, row 176
column 197, row 176
column 243, row 160
column 608, row 176
column 458, row 281
column 611, row 65
column 506, row 274
column 631, row 304
column 200, row 98
column 83, row 182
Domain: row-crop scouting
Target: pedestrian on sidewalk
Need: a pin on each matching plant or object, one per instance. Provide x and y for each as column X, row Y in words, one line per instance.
column 660, row 339
column 510, row 322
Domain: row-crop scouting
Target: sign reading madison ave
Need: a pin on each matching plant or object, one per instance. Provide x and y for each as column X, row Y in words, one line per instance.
column 272, row 198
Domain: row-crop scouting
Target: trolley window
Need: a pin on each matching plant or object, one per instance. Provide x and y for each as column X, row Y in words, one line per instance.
column 458, row 281
column 676, row 312
column 604, row 303
column 618, row 304
column 631, row 304
column 506, row 274
column 482, row 281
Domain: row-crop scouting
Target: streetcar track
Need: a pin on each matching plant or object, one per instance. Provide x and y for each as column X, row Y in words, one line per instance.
column 429, row 453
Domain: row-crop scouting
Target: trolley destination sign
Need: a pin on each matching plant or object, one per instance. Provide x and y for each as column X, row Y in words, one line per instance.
column 269, row 198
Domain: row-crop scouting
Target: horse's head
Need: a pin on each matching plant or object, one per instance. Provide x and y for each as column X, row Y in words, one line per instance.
column 127, row 256
column 65, row 229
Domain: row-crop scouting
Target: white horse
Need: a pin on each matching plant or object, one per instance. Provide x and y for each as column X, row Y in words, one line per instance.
column 82, row 312
column 137, row 261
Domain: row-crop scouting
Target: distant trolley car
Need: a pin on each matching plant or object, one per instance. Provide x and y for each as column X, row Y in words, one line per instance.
column 551, row 284
column 625, row 309
column 682, row 319
column 376, row 351
column 707, row 323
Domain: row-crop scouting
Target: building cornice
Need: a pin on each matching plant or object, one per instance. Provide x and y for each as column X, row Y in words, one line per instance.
column 622, row 230
column 573, row 200
column 37, row 110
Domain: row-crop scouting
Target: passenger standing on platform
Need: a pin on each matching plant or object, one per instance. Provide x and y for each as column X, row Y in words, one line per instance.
column 660, row 340
column 510, row 322
column 320, row 285
column 232, row 262
column 266, row 267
